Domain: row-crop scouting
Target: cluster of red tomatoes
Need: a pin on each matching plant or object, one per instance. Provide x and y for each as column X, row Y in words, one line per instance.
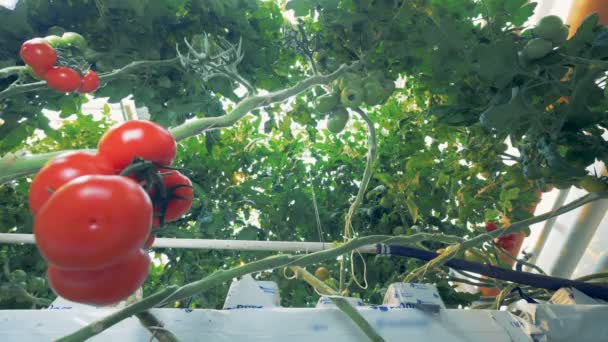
column 94, row 214
column 42, row 57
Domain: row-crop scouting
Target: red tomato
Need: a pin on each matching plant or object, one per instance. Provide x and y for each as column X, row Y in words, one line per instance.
column 92, row 222
column 40, row 73
column 137, row 138
column 180, row 193
column 507, row 242
column 63, row 79
column 38, row 54
column 491, row 226
column 61, row 170
column 90, row 82
column 101, row 287
column 149, row 242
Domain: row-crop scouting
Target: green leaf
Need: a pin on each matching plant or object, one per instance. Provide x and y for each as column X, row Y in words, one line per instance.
column 412, row 208
column 498, row 62
column 300, row 7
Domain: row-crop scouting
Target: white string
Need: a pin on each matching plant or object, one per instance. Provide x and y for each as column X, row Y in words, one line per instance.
column 352, row 269
column 314, row 202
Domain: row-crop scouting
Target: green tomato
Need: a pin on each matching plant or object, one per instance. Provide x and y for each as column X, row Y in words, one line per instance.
column 55, row 30
column 322, row 273
column 325, row 62
column 352, row 96
column 326, row 103
column 337, row 120
column 74, row 39
column 36, row 284
column 536, row 48
column 374, row 93
column 349, row 80
column 55, row 41
column 552, row 29
column 18, row 276
column 399, row 230
column 377, row 75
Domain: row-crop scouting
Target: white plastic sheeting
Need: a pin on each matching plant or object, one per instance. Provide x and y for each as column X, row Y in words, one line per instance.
column 274, row 324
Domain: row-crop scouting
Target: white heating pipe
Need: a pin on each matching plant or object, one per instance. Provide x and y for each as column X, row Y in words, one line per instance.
column 243, row 245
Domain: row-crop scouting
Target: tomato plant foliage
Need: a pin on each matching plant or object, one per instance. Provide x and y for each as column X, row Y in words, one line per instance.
column 440, row 160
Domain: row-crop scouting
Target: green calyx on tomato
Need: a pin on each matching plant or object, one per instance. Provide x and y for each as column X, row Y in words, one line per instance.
column 337, row 120
column 92, row 222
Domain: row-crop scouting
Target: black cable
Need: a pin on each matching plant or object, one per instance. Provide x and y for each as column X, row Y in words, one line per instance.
column 526, row 278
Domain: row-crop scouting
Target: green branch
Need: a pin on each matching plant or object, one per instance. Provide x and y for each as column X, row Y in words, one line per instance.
column 250, row 103
column 172, row 293
column 155, row 327
column 99, row 326
column 517, row 227
column 601, row 275
column 12, row 167
column 356, row 317
column 12, row 70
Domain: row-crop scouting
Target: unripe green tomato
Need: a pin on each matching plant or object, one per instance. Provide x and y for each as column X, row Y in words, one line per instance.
column 537, row 48
column 18, row 276
column 322, row 273
column 55, row 30
column 352, row 96
column 74, row 39
column 55, row 41
column 337, row 120
column 326, row 103
column 374, row 93
column 349, row 80
column 552, row 29
column 36, row 284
